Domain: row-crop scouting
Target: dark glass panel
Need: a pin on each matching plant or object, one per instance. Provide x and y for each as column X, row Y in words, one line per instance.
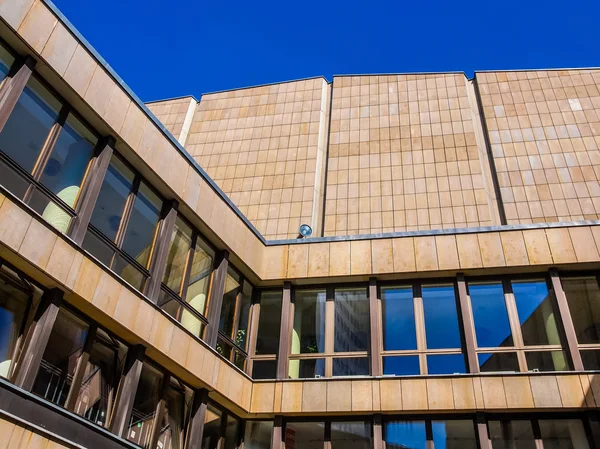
column 258, row 435
column 399, row 329
column 60, row 358
column 351, row 320
column 115, row 189
column 242, row 332
column 351, row 366
column 498, row 362
column 583, row 296
column 351, row 435
column 305, row 435
column 308, row 334
column 139, row 236
column 172, row 420
column 591, row 359
column 231, row 433
column 516, row 434
column 306, row 369
column 68, row 160
column 492, row 327
column 547, row 361
column 181, row 242
column 177, row 310
column 232, row 289
column 264, row 369
column 12, row 181
column 269, row 322
column 54, row 213
column 28, row 126
column 405, row 435
column 200, row 272
column 98, row 248
column 441, row 319
column 454, row 434
column 563, row 434
column 405, row 365
column 212, row 428
column 536, row 313
column 6, row 61
column 146, row 400
column 13, row 306
column 446, row 364
column 129, row 272
column 239, row 360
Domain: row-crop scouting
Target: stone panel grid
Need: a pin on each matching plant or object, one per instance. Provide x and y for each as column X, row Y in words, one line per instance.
column 402, row 156
column 171, row 113
column 544, row 130
column 260, row 145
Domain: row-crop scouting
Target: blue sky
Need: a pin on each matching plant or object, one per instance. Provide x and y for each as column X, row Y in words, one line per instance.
column 171, row 48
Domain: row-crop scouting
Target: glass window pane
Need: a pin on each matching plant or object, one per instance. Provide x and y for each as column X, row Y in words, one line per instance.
column 258, row 434
column 351, row 435
column 591, row 359
column 54, row 213
column 6, row 60
column 172, row 420
column 498, row 362
column 129, row 272
column 306, row 369
column 199, row 282
column 264, row 369
column 98, row 248
column 60, row 358
column 115, row 189
column 139, row 236
column 308, row 334
column 536, row 313
column 28, row 126
column 242, row 333
column 401, row 365
column 232, row 289
column 516, row 433
column 405, row 434
column 269, row 322
column 187, row 318
column 563, row 434
column 583, row 296
column 399, row 330
column 146, row 400
column 231, row 433
column 547, row 361
column 446, row 364
column 305, row 435
column 441, row 319
column 454, row 434
column 351, row 366
column 181, row 242
column 12, row 181
column 212, row 428
column 351, row 320
column 492, row 328
column 68, row 160
column 99, row 381
column 13, row 304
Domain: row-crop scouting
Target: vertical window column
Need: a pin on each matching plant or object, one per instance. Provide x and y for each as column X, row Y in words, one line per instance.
column 284, row 334
column 195, row 431
column 215, row 301
column 13, row 85
column 374, row 328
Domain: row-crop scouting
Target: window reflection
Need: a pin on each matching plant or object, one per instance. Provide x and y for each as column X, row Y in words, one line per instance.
column 405, row 434
column 306, row 368
column 269, row 322
column 13, row 306
column 515, row 433
column 6, row 61
column 351, row 366
column 583, row 297
column 199, row 282
column 498, row 362
column 258, row 434
column 536, row 313
column 171, row 428
column 454, row 434
column 212, row 428
column 547, row 361
column 231, row 433
column 305, row 435
column 308, row 335
column 177, row 258
column 401, row 365
column 399, row 329
column 492, row 327
column 351, row 435
column 144, row 406
column 441, row 319
column 264, row 369
column 563, row 433
column 351, row 320
column 230, row 295
column 446, row 364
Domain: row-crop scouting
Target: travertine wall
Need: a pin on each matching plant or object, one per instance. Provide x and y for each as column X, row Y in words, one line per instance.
column 403, row 156
column 544, row 130
column 264, row 146
column 176, row 115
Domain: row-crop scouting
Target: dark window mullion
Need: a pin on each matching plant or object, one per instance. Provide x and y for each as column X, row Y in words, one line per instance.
column 40, row 165
column 185, row 280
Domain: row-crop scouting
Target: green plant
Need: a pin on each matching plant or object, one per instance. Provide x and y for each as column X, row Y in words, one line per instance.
column 240, row 338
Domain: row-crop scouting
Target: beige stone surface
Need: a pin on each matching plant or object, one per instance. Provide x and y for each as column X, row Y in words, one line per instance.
column 38, row 26
column 447, row 252
column 490, row 245
column 439, row 394
column 545, row 391
column 469, row 251
column 391, row 394
column 518, row 392
column 560, row 244
column 414, row 394
column 318, row 260
column 263, row 395
column 426, row 254
column 314, row 397
column 515, row 251
column 339, row 258
column 339, row 396
column 360, row 257
column 382, row 256
column 362, row 396
column 59, row 48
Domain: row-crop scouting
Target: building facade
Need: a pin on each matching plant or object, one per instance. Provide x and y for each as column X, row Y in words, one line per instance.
column 154, row 293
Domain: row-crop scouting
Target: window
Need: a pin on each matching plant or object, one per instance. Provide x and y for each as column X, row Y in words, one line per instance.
column 335, row 349
column 45, row 150
column 421, row 333
column 172, row 420
column 438, row 434
column 583, row 297
column 145, row 405
column 516, row 326
column 6, row 61
column 264, row 364
column 124, row 223
column 351, row 435
column 525, row 434
column 184, row 289
column 221, row 429
column 234, row 319
column 258, row 434
column 307, row 435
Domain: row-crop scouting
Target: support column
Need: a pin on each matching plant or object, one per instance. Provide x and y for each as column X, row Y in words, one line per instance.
column 13, row 87
column 71, row 401
column 217, row 289
column 90, row 188
column 284, row 331
column 37, row 339
column 277, row 438
column 467, row 324
column 162, row 245
column 565, row 321
column 195, row 428
column 377, row 432
column 127, row 389
column 160, row 411
column 375, row 329
column 482, row 432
